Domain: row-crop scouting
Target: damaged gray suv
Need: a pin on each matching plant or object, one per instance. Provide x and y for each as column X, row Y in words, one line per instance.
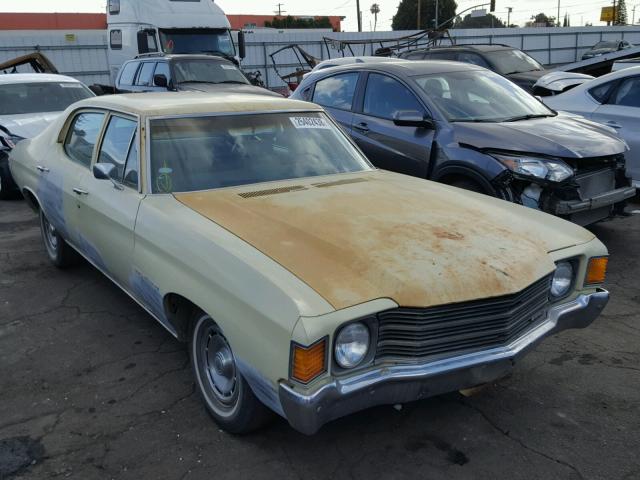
column 466, row 126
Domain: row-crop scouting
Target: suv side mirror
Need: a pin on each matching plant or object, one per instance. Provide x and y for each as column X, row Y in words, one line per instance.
column 242, row 46
column 412, row 118
column 160, row 80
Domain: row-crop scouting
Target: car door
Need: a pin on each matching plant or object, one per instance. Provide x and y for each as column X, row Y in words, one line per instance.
column 108, row 209
column 622, row 112
column 336, row 94
column 60, row 188
column 144, row 80
column 388, row 146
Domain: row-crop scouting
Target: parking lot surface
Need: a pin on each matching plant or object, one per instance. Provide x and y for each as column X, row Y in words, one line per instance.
column 91, row 387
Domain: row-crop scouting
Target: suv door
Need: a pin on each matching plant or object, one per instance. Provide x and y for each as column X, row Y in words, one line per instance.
column 622, row 112
column 107, row 212
column 144, row 79
column 388, row 146
column 336, row 95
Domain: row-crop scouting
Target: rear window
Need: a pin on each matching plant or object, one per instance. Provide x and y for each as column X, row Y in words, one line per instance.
column 129, row 73
column 16, row 99
column 206, row 71
column 203, row 153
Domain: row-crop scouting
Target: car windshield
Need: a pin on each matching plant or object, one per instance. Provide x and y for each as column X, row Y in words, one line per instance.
column 197, row 40
column 203, row 153
column 207, row 71
column 599, row 45
column 480, row 96
column 23, row 98
column 507, row 62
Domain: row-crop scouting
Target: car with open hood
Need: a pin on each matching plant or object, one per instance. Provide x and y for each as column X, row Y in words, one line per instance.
column 469, row 127
column 28, row 103
column 305, row 281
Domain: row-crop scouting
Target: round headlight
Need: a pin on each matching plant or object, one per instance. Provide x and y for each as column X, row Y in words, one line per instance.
column 352, row 345
column 562, row 279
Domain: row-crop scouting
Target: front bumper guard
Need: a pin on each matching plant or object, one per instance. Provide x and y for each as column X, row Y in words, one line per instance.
column 606, row 199
column 307, row 412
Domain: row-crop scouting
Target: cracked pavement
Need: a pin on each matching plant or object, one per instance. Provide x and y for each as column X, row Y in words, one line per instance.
column 91, row 387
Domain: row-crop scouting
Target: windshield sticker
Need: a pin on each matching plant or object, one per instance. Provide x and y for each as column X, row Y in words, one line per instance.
column 228, row 67
column 310, row 122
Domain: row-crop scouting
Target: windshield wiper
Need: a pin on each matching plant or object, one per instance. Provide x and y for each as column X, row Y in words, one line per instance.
column 233, row 81
column 473, row 120
column 528, row 117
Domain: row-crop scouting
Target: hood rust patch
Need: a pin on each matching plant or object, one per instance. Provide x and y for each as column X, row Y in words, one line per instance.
column 416, row 242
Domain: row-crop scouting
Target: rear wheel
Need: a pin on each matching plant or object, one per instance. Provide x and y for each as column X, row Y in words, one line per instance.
column 59, row 252
column 226, row 394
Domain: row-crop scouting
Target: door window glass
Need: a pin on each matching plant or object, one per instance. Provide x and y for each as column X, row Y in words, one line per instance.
column 116, row 143
column 628, row 94
column 385, row 97
column 162, row 69
column 133, row 164
column 443, row 55
column 472, row 58
column 415, row 56
column 146, row 72
column 128, row 73
column 336, row 91
column 601, row 92
column 82, row 137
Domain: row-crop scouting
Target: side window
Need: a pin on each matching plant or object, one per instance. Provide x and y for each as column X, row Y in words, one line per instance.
column 601, row 92
column 416, row 56
column 115, row 39
column 628, row 93
column 162, row 69
column 133, row 164
column 128, row 73
column 146, row 73
column 443, row 56
column 336, row 91
column 306, row 93
column 82, row 137
column 116, row 144
column 472, row 58
column 385, row 96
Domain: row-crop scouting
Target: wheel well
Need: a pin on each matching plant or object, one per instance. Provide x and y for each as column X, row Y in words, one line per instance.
column 453, row 178
column 31, row 200
column 179, row 311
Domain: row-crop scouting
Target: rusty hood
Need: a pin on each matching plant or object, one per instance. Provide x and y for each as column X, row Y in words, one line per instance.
column 377, row 234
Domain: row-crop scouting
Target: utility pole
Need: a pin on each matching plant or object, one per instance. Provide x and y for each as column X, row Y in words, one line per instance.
column 633, row 15
column 359, row 16
column 280, row 11
column 509, row 10
column 436, row 25
column 615, row 14
column 558, row 17
column 419, row 12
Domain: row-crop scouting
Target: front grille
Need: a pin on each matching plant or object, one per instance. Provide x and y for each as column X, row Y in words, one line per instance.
column 408, row 334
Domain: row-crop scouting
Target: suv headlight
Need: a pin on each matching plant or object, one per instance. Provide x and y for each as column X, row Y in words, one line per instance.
column 352, row 345
column 552, row 170
column 562, row 280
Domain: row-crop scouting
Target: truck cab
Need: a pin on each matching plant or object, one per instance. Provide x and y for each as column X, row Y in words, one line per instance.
column 168, row 26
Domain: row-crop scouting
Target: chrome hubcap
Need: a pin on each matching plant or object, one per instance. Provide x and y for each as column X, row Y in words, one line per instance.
column 50, row 235
column 218, row 366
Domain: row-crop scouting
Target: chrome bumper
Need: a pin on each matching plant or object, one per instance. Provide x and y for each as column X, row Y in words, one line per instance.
column 308, row 411
column 603, row 200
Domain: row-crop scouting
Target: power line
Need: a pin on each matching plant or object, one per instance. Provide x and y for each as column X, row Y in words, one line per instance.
column 280, row 11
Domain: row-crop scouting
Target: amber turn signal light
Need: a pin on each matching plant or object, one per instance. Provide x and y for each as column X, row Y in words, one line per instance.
column 597, row 270
column 309, row 362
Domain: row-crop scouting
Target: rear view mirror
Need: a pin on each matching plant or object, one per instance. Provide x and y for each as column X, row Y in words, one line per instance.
column 160, row 80
column 412, row 118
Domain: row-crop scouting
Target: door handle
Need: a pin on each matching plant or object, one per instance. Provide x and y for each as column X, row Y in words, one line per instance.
column 362, row 127
column 42, row 169
column 79, row 191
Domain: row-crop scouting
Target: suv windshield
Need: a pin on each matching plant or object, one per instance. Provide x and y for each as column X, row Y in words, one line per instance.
column 207, row 71
column 22, row 98
column 480, row 96
column 507, row 62
column 197, row 40
column 203, row 153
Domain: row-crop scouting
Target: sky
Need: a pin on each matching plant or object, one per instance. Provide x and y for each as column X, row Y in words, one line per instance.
column 579, row 11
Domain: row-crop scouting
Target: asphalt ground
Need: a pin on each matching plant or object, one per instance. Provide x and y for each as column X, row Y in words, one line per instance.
column 91, row 387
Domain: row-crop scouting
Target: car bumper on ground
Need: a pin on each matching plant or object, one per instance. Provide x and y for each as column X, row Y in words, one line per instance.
column 308, row 411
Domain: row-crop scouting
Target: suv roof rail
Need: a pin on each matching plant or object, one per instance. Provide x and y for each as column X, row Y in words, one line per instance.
column 148, row 55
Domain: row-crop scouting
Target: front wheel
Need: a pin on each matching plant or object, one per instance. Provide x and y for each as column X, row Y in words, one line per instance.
column 58, row 251
column 226, row 394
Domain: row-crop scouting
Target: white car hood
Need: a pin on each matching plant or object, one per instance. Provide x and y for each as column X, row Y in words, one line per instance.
column 28, row 125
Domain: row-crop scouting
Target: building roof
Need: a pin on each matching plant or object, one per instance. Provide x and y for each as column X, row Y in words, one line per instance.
column 185, row 103
column 53, row 21
column 11, row 78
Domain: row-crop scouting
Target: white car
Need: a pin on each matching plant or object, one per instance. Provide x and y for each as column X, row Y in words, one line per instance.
column 337, row 62
column 29, row 102
column 614, row 100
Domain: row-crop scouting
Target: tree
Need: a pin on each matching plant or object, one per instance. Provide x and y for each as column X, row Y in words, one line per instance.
column 567, row 21
column 295, row 22
column 542, row 20
column 621, row 13
column 407, row 16
column 375, row 10
column 486, row 21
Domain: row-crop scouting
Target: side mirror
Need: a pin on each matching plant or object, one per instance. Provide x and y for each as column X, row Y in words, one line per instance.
column 242, row 46
column 160, row 80
column 412, row 118
column 105, row 171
